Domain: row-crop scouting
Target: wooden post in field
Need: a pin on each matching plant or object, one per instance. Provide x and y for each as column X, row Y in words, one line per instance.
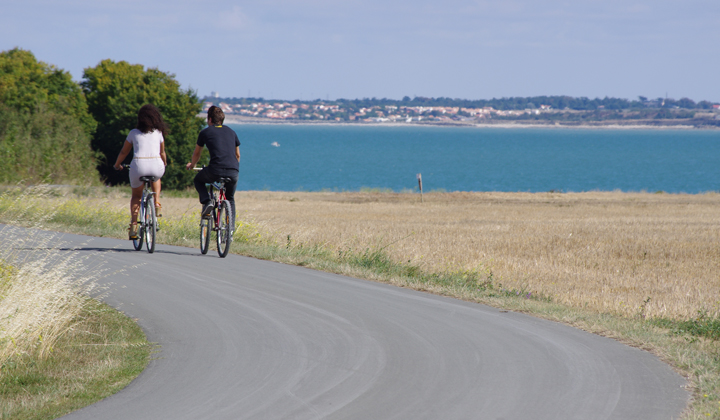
column 419, row 178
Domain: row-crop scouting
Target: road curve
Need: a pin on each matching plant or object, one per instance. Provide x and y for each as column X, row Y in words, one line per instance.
column 247, row 339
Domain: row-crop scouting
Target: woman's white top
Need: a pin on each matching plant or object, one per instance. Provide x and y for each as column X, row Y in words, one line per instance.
column 146, row 155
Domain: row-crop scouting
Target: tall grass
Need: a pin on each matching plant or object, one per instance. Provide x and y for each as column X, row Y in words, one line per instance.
column 42, row 293
column 42, row 289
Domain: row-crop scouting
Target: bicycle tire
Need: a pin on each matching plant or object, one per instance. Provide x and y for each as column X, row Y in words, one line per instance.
column 138, row 243
column 205, row 227
column 224, row 236
column 150, row 225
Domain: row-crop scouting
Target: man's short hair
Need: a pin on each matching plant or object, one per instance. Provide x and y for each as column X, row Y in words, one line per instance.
column 216, row 115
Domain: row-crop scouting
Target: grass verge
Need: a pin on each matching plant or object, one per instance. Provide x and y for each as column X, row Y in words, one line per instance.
column 101, row 355
column 691, row 346
column 60, row 349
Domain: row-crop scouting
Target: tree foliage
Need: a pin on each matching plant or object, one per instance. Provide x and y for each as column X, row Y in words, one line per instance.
column 28, row 85
column 45, row 146
column 45, row 126
column 115, row 91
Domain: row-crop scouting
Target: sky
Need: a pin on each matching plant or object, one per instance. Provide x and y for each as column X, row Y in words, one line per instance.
column 322, row 49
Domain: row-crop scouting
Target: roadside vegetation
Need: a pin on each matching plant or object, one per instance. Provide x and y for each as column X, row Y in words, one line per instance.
column 60, row 349
column 294, row 228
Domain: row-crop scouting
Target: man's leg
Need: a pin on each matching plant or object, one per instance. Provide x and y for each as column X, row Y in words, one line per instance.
column 203, row 177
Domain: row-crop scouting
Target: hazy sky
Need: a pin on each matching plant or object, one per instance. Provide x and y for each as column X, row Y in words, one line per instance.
column 388, row 48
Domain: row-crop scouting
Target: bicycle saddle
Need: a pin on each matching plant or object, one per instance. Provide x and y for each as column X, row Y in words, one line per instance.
column 224, row 180
column 148, row 178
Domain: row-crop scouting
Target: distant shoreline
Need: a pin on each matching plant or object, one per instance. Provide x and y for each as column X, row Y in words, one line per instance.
column 606, row 125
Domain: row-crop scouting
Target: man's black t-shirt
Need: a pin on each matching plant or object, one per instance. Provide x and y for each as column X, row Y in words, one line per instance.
column 221, row 142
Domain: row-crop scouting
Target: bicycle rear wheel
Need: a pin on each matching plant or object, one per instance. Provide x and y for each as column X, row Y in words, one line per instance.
column 150, row 225
column 224, row 236
column 138, row 243
column 205, row 226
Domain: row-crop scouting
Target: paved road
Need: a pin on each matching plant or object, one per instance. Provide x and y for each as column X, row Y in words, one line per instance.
column 248, row 339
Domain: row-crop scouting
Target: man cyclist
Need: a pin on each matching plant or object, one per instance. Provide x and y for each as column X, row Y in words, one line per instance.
column 224, row 148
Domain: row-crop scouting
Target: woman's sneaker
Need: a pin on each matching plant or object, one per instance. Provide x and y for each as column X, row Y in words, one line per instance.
column 133, row 231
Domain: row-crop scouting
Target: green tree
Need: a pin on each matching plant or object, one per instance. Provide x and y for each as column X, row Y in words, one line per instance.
column 115, row 91
column 45, row 126
column 28, row 85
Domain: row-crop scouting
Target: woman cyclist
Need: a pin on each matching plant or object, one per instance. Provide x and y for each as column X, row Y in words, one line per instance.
column 147, row 142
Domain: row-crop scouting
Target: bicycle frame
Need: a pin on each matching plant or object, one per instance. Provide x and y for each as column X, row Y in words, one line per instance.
column 217, row 192
column 147, row 193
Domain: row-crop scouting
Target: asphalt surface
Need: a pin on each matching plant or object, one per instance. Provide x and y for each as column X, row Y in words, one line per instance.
column 242, row 338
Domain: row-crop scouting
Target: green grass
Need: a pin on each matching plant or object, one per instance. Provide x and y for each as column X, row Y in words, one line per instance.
column 691, row 346
column 100, row 356
column 701, row 326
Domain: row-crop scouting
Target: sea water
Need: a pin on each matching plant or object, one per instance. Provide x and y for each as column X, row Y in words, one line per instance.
column 355, row 157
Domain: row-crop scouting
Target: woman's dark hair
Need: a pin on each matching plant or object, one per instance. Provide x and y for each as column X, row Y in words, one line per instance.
column 149, row 119
column 217, row 116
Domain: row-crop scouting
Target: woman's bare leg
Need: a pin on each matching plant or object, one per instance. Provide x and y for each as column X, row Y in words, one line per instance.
column 135, row 203
column 156, row 187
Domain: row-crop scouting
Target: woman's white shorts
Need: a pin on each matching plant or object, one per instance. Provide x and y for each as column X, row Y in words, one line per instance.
column 145, row 167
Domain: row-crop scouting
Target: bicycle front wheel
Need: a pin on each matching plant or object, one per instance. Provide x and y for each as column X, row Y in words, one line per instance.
column 205, row 226
column 138, row 242
column 150, row 225
column 224, row 236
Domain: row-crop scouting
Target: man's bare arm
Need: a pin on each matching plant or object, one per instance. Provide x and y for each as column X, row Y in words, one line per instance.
column 195, row 158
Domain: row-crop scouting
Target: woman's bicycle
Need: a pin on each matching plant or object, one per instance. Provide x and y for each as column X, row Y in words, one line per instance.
column 147, row 220
column 220, row 219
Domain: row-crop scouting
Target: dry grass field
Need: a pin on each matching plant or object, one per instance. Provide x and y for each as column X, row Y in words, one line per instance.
column 636, row 254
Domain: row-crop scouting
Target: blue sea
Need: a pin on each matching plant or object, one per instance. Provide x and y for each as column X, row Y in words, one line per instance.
column 352, row 158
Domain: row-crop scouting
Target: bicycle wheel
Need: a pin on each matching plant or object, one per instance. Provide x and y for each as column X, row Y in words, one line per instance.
column 138, row 243
column 205, row 226
column 150, row 224
column 224, row 236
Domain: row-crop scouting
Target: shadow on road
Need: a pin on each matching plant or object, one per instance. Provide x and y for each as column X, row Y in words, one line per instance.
column 102, row 249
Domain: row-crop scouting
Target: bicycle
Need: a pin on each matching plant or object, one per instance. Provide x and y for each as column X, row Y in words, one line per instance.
column 220, row 219
column 147, row 220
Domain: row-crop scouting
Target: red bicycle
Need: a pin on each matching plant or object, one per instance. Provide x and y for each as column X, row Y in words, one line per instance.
column 219, row 220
